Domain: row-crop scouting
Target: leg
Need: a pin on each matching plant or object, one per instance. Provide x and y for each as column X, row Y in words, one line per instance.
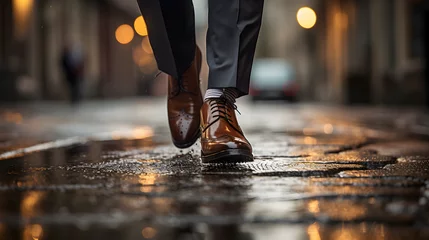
column 231, row 41
column 171, row 27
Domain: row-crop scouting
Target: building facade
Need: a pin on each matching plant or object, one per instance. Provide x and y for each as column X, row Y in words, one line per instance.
column 359, row 51
column 370, row 52
column 34, row 33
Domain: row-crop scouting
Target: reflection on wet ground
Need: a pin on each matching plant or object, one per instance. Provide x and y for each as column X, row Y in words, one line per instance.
column 313, row 178
column 141, row 189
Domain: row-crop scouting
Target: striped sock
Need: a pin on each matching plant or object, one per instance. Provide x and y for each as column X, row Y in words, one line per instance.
column 213, row 93
column 229, row 93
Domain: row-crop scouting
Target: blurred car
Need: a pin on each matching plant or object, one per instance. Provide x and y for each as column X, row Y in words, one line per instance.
column 273, row 79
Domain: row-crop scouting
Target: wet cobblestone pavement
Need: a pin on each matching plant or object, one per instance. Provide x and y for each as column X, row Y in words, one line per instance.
column 110, row 172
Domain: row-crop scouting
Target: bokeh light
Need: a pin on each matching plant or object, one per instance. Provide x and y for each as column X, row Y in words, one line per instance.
column 313, row 231
column 36, row 231
column 306, row 17
column 328, row 128
column 146, row 45
column 140, row 26
column 124, row 34
column 149, row 232
column 33, row 232
column 144, row 60
column 140, row 57
column 22, row 13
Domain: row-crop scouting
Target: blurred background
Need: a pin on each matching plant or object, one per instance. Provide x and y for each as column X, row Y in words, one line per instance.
column 334, row 51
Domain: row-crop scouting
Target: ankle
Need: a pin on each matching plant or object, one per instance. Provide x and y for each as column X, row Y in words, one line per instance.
column 212, row 93
column 229, row 93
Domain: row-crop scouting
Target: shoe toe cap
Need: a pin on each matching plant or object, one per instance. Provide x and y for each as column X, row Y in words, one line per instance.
column 225, row 142
column 184, row 130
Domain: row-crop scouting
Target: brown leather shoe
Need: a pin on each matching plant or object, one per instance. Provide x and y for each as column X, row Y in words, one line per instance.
column 184, row 104
column 222, row 140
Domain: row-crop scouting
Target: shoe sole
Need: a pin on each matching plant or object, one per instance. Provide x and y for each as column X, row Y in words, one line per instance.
column 228, row 156
column 189, row 143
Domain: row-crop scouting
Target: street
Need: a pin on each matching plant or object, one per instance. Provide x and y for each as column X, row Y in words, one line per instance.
column 107, row 170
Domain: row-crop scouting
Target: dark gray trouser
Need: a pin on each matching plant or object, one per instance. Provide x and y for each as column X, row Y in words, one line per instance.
column 231, row 38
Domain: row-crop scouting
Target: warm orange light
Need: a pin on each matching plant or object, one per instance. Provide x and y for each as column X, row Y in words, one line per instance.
column 314, row 232
column 140, row 26
column 33, row 232
column 328, row 128
column 21, row 14
column 313, row 206
column 146, row 45
column 29, row 204
column 13, row 117
column 147, row 182
column 306, row 17
column 36, row 231
column 141, row 58
column 148, row 232
column 310, row 140
column 124, row 34
column 142, row 132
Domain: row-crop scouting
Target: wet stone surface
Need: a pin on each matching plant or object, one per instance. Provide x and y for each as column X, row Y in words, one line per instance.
column 401, row 148
column 120, row 185
column 413, row 170
column 312, row 178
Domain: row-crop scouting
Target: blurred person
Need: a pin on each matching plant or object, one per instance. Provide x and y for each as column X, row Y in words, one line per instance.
column 231, row 42
column 72, row 63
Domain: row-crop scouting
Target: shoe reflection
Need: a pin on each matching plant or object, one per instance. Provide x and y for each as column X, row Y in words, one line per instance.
column 225, row 192
column 207, row 232
column 85, row 192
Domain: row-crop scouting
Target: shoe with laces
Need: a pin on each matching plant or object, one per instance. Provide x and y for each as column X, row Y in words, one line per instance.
column 222, row 140
column 184, row 104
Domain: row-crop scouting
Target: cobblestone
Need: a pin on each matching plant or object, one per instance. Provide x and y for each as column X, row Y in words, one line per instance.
column 315, row 176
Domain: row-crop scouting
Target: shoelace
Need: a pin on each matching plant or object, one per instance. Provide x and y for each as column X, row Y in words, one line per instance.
column 183, row 85
column 219, row 108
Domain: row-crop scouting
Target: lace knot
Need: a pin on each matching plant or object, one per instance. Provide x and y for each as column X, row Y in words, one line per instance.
column 220, row 108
